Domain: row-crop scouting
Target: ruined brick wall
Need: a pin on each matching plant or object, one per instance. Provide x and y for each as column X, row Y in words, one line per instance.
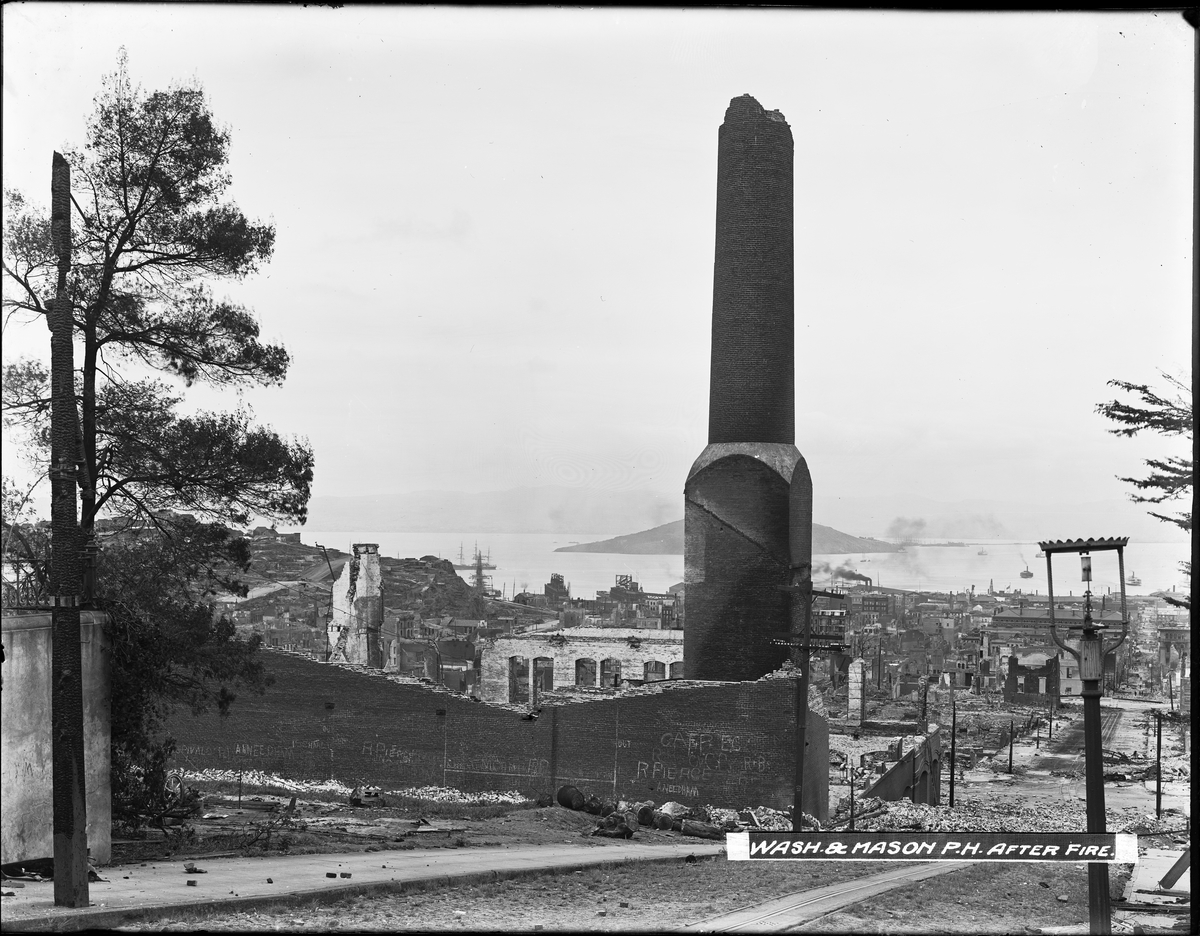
column 916, row 776
column 723, row 744
column 631, row 647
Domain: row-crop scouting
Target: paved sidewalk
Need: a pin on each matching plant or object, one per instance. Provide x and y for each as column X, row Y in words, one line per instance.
column 137, row 891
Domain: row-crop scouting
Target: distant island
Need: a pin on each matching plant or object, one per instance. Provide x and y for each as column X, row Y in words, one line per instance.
column 668, row 540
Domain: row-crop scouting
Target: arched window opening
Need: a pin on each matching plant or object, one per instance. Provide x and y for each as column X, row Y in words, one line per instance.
column 654, row 670
column 543, row 676
column 518, row 679
column 585, row 672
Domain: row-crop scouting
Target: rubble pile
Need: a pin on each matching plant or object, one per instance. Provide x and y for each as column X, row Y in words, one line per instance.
column 258, row 778
column 999, row 815
column 862, row 805
column 621, row 819
column 1138, row 766
column 437, row 794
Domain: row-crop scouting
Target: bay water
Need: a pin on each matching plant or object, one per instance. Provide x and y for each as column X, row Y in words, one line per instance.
column 525, row 561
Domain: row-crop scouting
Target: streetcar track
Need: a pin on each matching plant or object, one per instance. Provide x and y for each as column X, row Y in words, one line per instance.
column 835, row 899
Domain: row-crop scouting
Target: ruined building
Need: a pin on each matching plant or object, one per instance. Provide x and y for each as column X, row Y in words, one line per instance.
column 748, row 497
column 354, row 629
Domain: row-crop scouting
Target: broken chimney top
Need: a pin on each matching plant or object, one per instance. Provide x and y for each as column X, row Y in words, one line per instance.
column 747, row 107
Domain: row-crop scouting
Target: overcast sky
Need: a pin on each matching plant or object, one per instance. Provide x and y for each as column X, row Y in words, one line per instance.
column 493, row 264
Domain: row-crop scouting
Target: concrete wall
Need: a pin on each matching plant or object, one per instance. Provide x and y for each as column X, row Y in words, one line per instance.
column 631, row 647
column 26, row 763
column 729, row 744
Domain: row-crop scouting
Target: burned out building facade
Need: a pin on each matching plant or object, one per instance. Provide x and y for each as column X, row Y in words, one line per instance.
column 519, row 669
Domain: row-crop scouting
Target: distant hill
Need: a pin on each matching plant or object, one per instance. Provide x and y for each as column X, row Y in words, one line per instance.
column 668, row 539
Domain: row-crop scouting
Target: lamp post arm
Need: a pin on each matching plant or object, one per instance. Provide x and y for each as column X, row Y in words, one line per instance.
column 1109, row 648
column 1058, row 640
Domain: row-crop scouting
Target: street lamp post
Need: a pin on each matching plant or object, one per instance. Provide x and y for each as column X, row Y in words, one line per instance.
column 1090, row 657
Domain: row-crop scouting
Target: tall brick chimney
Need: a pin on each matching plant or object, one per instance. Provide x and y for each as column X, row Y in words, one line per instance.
column 751, row 395
column 748, row 497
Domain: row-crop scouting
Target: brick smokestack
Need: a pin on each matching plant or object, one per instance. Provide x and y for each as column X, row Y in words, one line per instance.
column 752, row 383
column 748, row 497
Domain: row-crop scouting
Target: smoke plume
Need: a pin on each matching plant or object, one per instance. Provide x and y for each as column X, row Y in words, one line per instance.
column 844, row 572
column 904, row 529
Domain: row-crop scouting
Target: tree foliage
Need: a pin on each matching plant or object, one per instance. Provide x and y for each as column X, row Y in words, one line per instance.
column 1169, row 479
column 167, row 647
column 152, row 232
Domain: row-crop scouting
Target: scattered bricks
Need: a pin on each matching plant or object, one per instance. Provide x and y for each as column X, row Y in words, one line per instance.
column 624, row 903
column 345, row 874
column 331, row 874
column 270, row 881
column 601, row 913
column 191, row 883
column 1063, row 898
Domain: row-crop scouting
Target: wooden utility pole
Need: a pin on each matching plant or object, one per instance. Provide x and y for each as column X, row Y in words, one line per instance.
column 953, row 744
column 802, row 645
column 1158, row 768
column 66, row 695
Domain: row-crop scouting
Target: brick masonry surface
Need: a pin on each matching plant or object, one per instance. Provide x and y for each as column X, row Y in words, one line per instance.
column 752, row 383
column 736, row 561
column 728, row 744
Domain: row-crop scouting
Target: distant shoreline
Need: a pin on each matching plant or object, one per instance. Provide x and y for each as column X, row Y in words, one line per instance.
column 667, row 540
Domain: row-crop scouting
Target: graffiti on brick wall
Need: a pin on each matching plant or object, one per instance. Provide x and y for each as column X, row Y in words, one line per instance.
column 498, row 765
column 690, row 757
column 247, row 749
column 383, row 753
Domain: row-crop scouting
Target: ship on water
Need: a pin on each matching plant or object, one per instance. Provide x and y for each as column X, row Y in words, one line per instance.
column 1027, row 573
column 1133, row 580
column 478, row 560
